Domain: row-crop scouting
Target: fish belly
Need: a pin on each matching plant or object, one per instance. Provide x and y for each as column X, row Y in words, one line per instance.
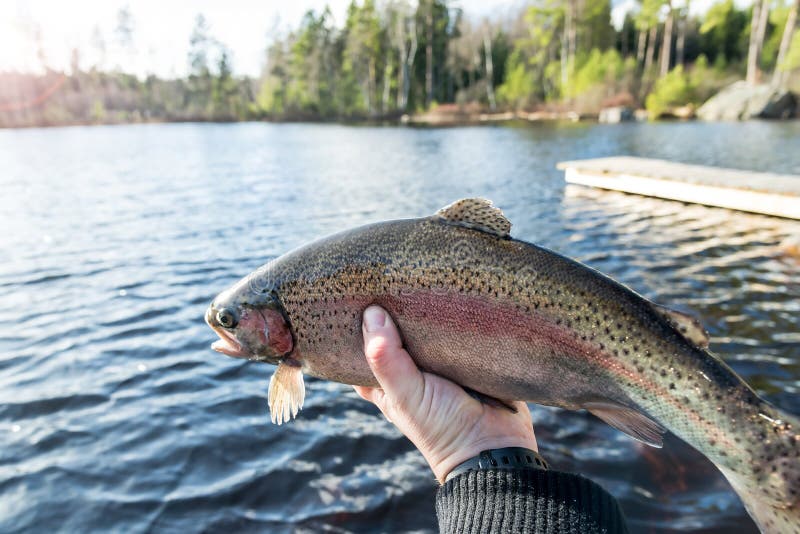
column 490, row 346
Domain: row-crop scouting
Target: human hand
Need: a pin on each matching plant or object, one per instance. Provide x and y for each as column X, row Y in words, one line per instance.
column 444, row 422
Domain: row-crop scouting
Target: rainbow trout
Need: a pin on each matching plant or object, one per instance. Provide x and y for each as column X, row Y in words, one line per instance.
column 511, row 321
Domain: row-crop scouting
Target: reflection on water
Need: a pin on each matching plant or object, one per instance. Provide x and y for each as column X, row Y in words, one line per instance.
column 116, row 415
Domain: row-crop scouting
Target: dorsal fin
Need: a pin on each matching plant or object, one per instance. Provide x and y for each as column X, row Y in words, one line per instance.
column 689, row 327
column 630, row 421
column 477, row 213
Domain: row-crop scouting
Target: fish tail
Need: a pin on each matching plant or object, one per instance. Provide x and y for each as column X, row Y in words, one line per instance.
column 768, row 480
column 771, row 519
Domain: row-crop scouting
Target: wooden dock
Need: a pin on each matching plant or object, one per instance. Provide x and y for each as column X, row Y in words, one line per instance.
column 755, row 192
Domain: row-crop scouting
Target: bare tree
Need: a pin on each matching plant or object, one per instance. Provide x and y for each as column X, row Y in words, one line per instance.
column 403, row 35
column 75, row 61
column 429, row 54
column 124, row 34
column 651, row 47
column 666, row 45
column 640, row 44
column 487, row 50
column 387, row 84
column 758, row 28
column 646, row 21
column 464, row 54
column 680, row 43
column 781, row 76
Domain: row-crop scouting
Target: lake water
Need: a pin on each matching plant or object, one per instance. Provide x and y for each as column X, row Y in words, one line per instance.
column 116, row 416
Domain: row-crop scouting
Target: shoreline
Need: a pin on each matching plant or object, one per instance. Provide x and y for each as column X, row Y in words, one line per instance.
column 427, row 119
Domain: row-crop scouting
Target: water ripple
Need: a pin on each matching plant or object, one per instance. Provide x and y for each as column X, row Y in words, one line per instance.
column 115, row 415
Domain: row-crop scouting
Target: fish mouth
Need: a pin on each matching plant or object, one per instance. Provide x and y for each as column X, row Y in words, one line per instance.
column 227, row 343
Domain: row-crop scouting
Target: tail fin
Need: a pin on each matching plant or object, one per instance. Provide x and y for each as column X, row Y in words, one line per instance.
column 775, row 520
column 770, row 486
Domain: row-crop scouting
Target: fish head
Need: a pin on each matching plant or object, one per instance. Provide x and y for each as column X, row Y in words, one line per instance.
column 251, row 324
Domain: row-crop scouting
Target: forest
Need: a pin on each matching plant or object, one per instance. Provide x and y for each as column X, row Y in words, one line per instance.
column 395, row 57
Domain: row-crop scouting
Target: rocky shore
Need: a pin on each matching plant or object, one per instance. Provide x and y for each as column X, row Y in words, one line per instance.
column 738, row 101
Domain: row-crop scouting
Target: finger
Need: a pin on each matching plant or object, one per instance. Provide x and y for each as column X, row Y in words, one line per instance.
column 394, row 369
column 368, row 393
column 373, row 395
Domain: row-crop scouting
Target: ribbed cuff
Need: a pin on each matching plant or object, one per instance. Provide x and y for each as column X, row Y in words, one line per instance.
column 526, row 500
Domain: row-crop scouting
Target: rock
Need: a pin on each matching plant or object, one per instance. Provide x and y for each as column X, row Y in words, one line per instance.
column 616, row 114
column 742, row 101
column 683, row 112
column 782, row 106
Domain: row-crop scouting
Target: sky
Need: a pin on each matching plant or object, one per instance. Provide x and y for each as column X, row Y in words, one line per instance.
column 162, row 29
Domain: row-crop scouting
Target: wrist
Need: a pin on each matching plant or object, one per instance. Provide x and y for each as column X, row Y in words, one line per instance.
column 505, row 458
column 443, row 467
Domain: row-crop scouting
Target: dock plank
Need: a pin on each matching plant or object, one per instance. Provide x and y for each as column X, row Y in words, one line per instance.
column 757, row 192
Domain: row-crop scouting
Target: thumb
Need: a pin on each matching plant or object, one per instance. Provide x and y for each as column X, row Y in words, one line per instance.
column 394, row 369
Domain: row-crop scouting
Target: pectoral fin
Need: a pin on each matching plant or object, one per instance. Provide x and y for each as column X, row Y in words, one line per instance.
column 286, row 393
column 491, row 401
column 632, row 422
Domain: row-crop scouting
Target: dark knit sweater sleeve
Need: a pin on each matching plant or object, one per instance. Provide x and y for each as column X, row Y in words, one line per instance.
column 526, row 500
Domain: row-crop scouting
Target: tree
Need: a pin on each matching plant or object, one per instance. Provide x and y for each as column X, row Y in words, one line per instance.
column 555, row 52
column 519, row 86
column 123, row 33
column 780, row 76
column 680, row 43
column 315, row 83
column 569, row 40
column 403, row 36
column 666, row 45
column 792, row 60
column 428, row 6
column 647, row 21
column 487, row 50
column 75, row 61
column 542, row 45
column 199, row 82
column 758, row 29
column 722, row 31
column 272, row 96
column 363, row 48
column 200, row 42
column 223, row 88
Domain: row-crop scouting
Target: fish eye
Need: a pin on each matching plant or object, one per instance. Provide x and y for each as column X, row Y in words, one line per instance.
column 226, row 318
